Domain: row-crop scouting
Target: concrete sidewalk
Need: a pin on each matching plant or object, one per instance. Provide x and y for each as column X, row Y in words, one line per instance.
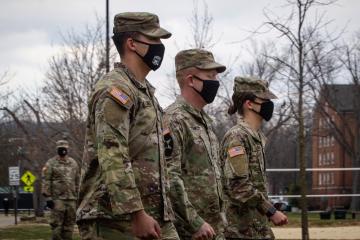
column 350, row 232
column 7, row 220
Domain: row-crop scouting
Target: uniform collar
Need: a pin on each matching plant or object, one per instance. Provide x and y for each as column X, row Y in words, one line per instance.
column 118, row 66
column 257, row 135
column 65, row 159
column 199, row 115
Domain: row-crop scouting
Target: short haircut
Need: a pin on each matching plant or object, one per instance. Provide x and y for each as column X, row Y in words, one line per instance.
column 238, row 101
column 180, row 75
column 121, row 38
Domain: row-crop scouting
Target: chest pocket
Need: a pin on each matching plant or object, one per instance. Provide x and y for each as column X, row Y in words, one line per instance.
column 196, row 155
column 145, row 117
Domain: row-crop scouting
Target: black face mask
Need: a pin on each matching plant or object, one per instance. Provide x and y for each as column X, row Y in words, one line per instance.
column 154, row 56
column 209, row 90
column 62, row 151
column 266, row 110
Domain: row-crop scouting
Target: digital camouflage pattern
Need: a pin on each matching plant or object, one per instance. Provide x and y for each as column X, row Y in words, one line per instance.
column 193, row 161
column 198, row 58
column 108, row 229
column 259, row 87
column 62, row 219
column 243, row 161
column 143, row 22
column 123, row 167
column 60, row 178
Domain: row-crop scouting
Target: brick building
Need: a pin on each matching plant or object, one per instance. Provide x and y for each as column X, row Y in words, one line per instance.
column 333, row 125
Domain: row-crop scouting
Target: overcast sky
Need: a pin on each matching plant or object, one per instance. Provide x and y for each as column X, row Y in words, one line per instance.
column 30, row 28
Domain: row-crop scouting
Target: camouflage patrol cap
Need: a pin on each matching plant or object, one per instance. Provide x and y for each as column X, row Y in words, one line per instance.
column 198, row 58
column 143, row 22
column 254, row 85
column 62, row 143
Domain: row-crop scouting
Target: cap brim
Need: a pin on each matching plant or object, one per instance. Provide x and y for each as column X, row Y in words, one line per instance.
column 63, row 146
column 266, row 95
column 156, row 33
column 212, row 65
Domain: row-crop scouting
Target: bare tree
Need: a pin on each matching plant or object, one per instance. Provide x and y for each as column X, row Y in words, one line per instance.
column 201, row 25
column 341, row 124
column 59, row 110
column 299, row 33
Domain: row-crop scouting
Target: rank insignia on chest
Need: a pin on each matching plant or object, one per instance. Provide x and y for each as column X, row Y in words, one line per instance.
column 235, row 151
column 168, row 143
column 119, row 95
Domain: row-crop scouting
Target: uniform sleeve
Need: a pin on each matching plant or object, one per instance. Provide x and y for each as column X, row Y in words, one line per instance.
column 46, row 174
column 181, row 204
column 77, row 176
column 237, row 175
column 112, row 123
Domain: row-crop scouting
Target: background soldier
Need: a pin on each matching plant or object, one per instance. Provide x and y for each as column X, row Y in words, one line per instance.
column 124, row 182
column 192, row 148
column 59, row 186
column 6, row 205
column 243, row 159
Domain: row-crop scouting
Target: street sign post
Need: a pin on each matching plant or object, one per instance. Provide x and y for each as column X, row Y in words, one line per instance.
column 14, row 176
column 28, row 178
column 28, row 189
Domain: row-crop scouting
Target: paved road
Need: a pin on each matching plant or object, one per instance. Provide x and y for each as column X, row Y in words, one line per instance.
column 6, row 221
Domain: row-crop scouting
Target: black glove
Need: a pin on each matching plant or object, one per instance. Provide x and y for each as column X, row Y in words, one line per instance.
column 50, row 204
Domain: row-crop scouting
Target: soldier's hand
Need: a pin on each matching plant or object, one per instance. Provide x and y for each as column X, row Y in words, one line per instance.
column 204, row 233
column 50, row 204
column 144, row 226
column 279, row 218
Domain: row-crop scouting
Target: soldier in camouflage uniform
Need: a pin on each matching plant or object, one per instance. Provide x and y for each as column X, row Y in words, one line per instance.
column 124, row 185
column 243, row 162
column 192, row 149
column 60, row 177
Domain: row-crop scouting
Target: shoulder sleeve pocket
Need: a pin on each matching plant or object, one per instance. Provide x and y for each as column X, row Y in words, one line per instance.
column 237, row 159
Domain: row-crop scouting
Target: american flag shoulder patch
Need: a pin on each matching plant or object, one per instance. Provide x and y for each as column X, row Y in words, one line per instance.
column 119, row 95
column 235, row 151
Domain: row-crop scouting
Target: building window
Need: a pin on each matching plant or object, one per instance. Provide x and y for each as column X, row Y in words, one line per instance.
column 327, row 179
column 320, row 179
column 332, row 157
column 320, row 159
column 332, row 178
column 332, row 141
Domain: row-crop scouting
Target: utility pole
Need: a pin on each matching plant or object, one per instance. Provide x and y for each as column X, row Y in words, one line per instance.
column 107, row 38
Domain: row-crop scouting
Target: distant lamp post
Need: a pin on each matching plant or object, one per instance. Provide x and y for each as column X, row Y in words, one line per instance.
column 107, row 39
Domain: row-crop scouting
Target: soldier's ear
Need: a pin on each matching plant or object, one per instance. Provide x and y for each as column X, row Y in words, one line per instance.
column 248, row 104
column 189, row 79
column 130, row 44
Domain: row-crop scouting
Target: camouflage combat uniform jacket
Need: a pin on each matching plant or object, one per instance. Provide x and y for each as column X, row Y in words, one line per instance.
column 123, row 167
column 195, row 175
column 243, row 162
column 60, row 178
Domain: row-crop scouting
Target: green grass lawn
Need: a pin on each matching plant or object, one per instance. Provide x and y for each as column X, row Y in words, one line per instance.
column 42, row 231
column 315, row 221
column 28, row 232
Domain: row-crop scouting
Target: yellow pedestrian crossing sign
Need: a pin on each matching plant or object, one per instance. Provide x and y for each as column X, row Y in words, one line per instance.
column 28, row 189
column 28, row 178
